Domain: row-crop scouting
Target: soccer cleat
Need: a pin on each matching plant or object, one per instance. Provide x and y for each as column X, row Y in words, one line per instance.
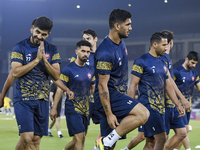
column 49, row 134
column 60, row 136
column 101, row 146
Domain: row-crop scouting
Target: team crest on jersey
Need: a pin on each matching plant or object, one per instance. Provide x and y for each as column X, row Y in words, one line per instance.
column 192, row 78
column 47, row 56
column 89, row 75
column 165, row 68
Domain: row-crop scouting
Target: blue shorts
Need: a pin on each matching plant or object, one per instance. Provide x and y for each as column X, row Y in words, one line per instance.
column 76, row 123
column 186, row 118
column 93, row 113
column 172, row 121
column 155, row 124
column 141, row 129
column 32, row 116
column 121, row 105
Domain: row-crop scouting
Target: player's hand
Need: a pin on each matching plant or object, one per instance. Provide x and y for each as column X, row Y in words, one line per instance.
column 112, row 121
column 181, row 111
column 53, row 113
column 186, row 104
column 70, row 95
column 1, row 100
column 40, row 53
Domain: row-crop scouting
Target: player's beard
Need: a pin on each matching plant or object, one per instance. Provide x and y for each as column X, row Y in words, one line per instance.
column 34, row 39
column 122, row 36
column 189, row 67
column 84, row 59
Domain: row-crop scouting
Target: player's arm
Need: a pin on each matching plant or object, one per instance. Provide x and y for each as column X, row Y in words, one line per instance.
column 51, row 97
column 92, row 88
column 20, row 70
column 198, row 86
column 105, row 100
column 133, row 85
column 185, row 102
column 62, row 86
column 58, row 95
column 6, row 87
column 171, row 93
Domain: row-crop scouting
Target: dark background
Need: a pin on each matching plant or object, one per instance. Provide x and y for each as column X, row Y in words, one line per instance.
column 148, row 16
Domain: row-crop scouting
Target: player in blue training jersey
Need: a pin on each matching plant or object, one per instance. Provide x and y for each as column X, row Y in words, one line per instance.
column 91, row 36
column 151, row 74
column 119, row 113
column 10, row 79
column 80, row 79
column 33, row 61
column 186, row 77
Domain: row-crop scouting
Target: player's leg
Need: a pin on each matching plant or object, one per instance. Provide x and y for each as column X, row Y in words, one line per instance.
column 36, row 142
column 180, row 134
column 136, row 140
column 150, row 143
column 160, row 140
column 131, row 113
column 25, row 141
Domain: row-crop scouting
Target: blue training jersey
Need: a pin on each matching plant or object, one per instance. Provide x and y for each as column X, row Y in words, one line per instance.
column 167, row 60
column 79, row 80
column 185, row 81
column 89, row 62
column 111, row 59
column 152, row 72
column 35, row 84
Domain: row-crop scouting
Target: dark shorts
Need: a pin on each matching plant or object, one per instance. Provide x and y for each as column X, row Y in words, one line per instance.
column 186, row 118
column 172, row 119
column 141, row 129
column 76, row 123
column 121, row 106
column 93, row 113
column 32, row 116
column 155, row 124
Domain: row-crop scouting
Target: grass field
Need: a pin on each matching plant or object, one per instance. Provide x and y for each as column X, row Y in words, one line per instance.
column 9, row 136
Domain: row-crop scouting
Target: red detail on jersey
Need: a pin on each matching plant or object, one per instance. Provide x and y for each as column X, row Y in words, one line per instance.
column 47, row 56
column 126, row 52
column 165, row 68
column 89, row 75
column 192, row 78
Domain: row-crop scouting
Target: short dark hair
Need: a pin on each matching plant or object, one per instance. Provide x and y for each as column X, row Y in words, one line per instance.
column 34, row 21
column 82, row 43
column 118, row 15
column 90, row 32
column 43, row 23
column 157, row 37
column 169, row 34
column 192, row 55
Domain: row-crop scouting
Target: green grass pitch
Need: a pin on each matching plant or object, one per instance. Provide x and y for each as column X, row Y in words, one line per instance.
column 9, row 136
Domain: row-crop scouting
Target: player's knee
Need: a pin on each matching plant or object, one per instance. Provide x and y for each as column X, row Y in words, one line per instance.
column 144, row 116
column 182, row 134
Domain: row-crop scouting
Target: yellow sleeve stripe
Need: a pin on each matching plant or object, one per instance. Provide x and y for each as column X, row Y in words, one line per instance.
column 72, row 59
column 64, row 78
column 197, row 78
column 137, row 68
column 16, row 55
column 56, row 57
column 104, row 65
column 93, row 79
